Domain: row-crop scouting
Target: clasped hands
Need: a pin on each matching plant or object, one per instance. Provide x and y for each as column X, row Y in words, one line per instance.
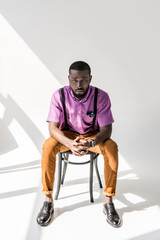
column 79, row 146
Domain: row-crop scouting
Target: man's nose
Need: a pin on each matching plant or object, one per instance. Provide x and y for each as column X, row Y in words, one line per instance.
column 79, row 84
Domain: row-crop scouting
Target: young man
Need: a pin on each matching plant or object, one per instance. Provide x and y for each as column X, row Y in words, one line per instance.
column 79, row 137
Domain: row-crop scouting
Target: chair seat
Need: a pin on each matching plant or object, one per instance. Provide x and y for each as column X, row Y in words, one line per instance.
column 95, row 155
column 70, row 152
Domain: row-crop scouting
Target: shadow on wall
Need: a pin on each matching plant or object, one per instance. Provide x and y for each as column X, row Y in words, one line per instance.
column 8, row 142
column 13, row 111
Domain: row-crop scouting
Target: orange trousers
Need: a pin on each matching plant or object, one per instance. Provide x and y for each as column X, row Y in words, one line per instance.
column 109, row 150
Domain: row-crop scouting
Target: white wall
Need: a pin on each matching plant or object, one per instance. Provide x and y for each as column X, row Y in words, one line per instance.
column 119, row 40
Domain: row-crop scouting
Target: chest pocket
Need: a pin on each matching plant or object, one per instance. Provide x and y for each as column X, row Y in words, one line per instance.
column 88, row 120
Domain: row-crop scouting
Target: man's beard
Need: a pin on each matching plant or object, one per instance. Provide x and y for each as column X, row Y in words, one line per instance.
column 80, row 96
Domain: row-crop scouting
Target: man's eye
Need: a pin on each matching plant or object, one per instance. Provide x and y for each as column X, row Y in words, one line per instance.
column 81, row 80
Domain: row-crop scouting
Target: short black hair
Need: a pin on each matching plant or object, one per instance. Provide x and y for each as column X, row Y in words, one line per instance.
column 80, row 65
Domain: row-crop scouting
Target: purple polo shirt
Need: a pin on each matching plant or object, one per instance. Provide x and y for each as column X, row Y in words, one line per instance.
column 76, row 110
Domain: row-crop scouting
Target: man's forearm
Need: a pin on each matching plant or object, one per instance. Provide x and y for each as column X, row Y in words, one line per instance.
column 103, row 135
column 60, row 137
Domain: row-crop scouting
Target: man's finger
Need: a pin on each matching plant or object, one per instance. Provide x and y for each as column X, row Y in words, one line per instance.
column 83, row 152
column 83, row 140
column 78, row 144
column 76, row 152
column 79, row 138
column 82, row 148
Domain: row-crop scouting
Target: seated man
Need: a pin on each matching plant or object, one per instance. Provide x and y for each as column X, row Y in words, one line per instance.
column 71, row 128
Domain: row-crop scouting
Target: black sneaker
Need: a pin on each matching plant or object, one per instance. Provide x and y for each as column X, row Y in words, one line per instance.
column 45, row 214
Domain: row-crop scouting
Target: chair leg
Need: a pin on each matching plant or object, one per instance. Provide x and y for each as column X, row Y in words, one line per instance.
column 64, row 167
column 97, row 172
column 91, row 178
column 59, row 175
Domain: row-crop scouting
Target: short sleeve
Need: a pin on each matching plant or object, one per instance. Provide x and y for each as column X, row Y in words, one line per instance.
column 104, row 113
column 55, row 110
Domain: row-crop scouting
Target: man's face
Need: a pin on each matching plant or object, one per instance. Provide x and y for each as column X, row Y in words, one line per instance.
column 79, row 82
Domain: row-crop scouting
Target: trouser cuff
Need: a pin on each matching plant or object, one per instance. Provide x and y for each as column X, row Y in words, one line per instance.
column 109, row 193
column 47, row 192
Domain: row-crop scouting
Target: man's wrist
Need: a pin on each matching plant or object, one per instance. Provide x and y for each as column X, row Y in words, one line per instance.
column 69, row 143
column 92, row 142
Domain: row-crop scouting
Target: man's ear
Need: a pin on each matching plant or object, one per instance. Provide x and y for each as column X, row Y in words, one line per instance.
column 90, row 77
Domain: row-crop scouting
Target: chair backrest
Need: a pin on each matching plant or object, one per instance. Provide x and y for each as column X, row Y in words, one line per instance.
column 93, row 114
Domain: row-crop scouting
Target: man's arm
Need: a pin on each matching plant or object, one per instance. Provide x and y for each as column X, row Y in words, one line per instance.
column 105, row 133
column 56, row 133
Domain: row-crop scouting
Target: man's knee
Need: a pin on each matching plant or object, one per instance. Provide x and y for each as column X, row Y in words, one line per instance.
column 111, row 144
column 50, row 143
